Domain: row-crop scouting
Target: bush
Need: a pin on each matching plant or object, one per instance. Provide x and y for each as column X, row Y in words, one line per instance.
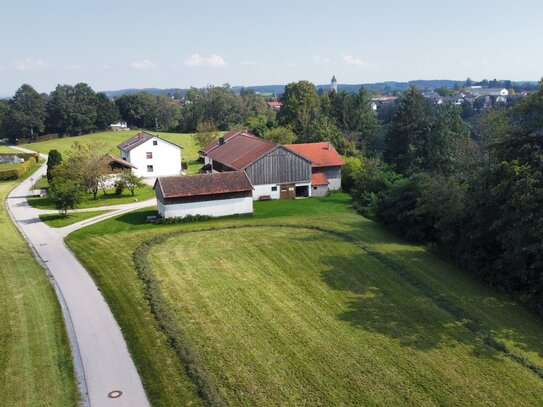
column 19, row 170
column 184, row 219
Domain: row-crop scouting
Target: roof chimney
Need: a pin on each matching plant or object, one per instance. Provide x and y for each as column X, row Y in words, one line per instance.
column 221, row 141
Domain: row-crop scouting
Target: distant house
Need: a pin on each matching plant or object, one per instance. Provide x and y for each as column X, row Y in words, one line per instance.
column 219, row 194
column 326, row 165
column 120, row 126
column 274, row 105
column 275, row 171
column 152, row 155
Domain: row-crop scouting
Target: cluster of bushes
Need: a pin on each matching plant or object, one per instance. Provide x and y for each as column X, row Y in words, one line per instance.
column 19, row 170
column 182, row 219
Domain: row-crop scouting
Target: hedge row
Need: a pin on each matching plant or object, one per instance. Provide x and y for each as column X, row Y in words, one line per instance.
column 19, row 170
column 182, row 219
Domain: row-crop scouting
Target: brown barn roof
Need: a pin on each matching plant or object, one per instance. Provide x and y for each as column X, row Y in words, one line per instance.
column 225, row 137
column 203, row 184
column 321, row 154
column 241, row 151
column 139, row 139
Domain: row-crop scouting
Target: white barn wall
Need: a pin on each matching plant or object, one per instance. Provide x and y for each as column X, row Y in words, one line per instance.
column 319, row 190
column 334, row 184
column 166, row 158
column 223, row 207
column 265, row 189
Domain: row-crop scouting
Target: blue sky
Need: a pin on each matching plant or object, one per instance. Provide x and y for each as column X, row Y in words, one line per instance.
column 119, row 44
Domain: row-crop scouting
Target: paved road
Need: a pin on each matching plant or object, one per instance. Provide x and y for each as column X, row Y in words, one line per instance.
column 105, row 363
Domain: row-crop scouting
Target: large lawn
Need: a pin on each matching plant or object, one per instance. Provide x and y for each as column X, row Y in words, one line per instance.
column 111, row 139
column 279, row 312
column 7, row 150
column 35, row 360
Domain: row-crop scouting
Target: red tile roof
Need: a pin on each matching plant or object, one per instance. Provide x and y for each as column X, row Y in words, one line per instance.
column 318, row 178
column 241, row 151
column 274, row 104
column 139, row 139
column 226, row 137
column 321, row 154
column 203, row 184
column 110, row 158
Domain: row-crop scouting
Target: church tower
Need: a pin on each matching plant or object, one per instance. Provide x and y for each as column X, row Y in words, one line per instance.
column 334, row 84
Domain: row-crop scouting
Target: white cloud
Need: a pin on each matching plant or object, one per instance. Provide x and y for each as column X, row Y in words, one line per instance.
column 214, row 61
column 350, row 60
column 74, row 67
column 106, row 67
column 144, row 65
column 318, row 60
column 28, row 64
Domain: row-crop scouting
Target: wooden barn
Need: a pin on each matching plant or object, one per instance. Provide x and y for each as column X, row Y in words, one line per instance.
column 276, row 172
column 218, row 194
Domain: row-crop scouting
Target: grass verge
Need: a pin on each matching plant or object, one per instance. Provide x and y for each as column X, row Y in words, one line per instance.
column 35, row 360
column 56, row 220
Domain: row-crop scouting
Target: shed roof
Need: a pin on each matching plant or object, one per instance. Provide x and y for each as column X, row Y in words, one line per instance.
column 203, row 184
column 139, row 139
column 321, row 154
column 318, row 178
column 110, row 158
column 241, row 151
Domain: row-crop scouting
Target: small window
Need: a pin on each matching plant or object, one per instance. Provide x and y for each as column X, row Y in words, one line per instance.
column 315, row 188
column 149, row 155
column 274, row 188
column 149, row 168
column 155, row 142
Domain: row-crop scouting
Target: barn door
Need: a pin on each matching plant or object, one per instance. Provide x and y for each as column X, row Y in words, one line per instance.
column 288, row 191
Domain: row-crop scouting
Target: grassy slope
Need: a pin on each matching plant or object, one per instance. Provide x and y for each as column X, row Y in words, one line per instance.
column 7, row 150
column 56, row 220
column 35, row 360
column 304, row 317
column 113, row 138
column 87, row 201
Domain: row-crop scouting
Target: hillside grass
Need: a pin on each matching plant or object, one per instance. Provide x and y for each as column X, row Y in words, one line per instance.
column 7, row 150
column 111, row 139
column 281, row 313
column 56, row 220
column 35, row 360
column 109, row 199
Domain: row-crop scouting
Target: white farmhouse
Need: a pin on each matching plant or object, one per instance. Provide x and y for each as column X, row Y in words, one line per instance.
column 218, row 194
column 151, row 155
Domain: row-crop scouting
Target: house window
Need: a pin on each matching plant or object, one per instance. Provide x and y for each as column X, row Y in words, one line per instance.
column 274, row 189
column 149, row 155
column 155, row 142
column 314, row 188
column 149, row 168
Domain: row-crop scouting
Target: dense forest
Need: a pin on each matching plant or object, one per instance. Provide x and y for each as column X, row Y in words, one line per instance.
column 468, row 182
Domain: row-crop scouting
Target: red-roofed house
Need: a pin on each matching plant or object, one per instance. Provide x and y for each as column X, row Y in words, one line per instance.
column 274, row 105
column 325, row 161
column 219, row 194
column 276, row 172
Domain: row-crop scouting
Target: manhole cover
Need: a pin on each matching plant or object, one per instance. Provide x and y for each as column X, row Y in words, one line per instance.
column 115, row 394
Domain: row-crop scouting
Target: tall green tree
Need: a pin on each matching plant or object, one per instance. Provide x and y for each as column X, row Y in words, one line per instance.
column 53, row 160
column 408, row 134
column 25, row 116
column 301, row 105
column 106, row 112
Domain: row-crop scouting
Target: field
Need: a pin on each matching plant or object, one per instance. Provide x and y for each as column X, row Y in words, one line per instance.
column 7, row 150
column 112, row 138
column 35, row 360
column 308, row 303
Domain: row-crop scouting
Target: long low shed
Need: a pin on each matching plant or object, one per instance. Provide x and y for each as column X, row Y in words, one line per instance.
column 218, row 194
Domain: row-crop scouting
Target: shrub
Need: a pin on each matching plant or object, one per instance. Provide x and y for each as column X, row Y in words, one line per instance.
column 184, row 219
column 19, row 170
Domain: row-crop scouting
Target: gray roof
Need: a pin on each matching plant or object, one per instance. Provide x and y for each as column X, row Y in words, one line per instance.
column 139, row 139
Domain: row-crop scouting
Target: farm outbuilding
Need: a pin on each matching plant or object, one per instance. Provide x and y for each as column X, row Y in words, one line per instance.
column 218, row 194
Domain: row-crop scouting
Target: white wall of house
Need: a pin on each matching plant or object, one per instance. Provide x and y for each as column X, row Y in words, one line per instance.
column 166, row 158
column 334, row 184
column 319, row 190
column 266, row 189
column 223, row 207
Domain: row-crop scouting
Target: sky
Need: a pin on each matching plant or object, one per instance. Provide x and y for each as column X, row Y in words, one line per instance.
column 118, row 44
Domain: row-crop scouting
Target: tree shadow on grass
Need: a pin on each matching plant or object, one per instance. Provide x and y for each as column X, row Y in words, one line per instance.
column 136, row 217
column 389, row 304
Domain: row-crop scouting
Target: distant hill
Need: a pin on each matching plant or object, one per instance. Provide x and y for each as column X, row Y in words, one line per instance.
column 390, row 86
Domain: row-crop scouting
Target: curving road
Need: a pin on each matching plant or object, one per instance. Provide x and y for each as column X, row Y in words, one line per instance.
column 106, row 373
